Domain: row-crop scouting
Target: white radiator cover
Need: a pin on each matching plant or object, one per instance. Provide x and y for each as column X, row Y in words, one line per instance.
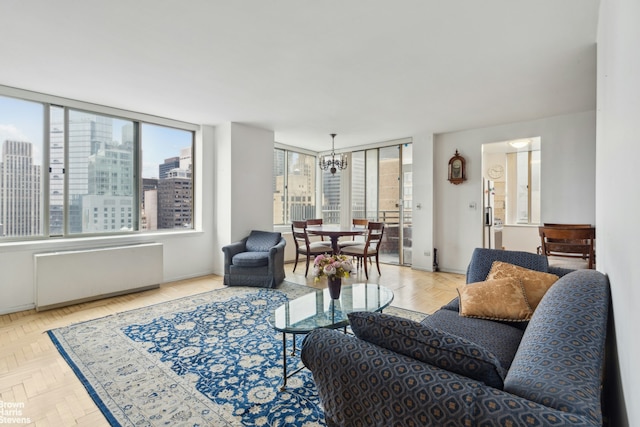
column 63, row 278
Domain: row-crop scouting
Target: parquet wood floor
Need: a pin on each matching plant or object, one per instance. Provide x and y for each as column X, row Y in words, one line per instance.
column 33, row 374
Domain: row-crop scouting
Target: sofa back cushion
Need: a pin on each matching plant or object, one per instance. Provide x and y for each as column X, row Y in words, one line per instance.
column 429, row 345
column 560, row 359
column 482, row 260
column 262, row 241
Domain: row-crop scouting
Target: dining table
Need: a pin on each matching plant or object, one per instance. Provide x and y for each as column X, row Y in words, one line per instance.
column 334, row 232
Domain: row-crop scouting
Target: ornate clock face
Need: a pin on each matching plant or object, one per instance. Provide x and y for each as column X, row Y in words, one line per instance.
column 495, row 171
column 456, row 169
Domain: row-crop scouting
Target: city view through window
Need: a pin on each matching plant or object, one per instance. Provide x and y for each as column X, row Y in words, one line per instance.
column 381, row 190
column 94, row 186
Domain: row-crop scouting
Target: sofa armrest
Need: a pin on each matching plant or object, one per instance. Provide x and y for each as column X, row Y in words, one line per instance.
column 276, row 255
column 362, row 384
column 231, row 250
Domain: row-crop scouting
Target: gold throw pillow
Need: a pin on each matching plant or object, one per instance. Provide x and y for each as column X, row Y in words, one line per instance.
column 500, row 299
column 535, row 283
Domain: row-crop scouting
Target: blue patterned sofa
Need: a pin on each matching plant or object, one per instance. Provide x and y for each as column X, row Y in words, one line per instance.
column 451, row 370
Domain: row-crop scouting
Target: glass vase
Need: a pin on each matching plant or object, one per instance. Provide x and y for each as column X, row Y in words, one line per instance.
column 335, row 285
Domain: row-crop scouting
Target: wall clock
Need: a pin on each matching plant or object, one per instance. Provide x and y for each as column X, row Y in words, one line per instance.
column 496, row 171
column 457, row 172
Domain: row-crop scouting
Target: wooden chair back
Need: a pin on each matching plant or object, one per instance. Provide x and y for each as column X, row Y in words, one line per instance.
column 375, row 231
column 549, row 224
column 316, row 221
column 359, row 223
column 569, row 242
column 299, row 231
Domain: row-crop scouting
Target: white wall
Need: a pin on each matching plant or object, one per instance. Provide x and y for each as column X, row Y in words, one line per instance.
column 523, row 238
column 618, row 231
column 568, row 157
column 243, row 191
column 422, row 233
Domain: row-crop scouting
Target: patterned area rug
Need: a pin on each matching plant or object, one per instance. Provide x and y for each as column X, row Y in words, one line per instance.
column 207, row 360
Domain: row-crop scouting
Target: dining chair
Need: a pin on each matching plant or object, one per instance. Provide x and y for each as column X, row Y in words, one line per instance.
column 304, row 246
column 569, row 242
column 355, row 240
column 559, row 225
column 371, row 247
column 315, row 221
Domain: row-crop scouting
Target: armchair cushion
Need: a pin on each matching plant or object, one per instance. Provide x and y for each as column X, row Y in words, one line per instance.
column 251, row 259
column 429, row 345
column 262, row 241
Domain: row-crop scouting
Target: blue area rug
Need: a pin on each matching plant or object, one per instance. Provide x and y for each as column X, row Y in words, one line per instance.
column 207, row 360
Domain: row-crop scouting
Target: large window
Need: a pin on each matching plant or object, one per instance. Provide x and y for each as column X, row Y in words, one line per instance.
column 106, row 174
column 294, row 186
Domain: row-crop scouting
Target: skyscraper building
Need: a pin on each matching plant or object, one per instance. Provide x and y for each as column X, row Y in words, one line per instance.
column 20, row 197
column 109, row 204
column 168, row 165
column 175, row 200
column 56, row 173
column 149, row 209
column 87, row 134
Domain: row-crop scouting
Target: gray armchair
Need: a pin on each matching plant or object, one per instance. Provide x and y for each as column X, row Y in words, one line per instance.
column 256, row 260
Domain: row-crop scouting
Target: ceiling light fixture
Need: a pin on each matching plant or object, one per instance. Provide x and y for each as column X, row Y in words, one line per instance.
column 519, row 143
column 333, row 165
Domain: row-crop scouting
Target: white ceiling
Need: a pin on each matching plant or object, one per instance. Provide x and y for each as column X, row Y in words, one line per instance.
column 368, row 70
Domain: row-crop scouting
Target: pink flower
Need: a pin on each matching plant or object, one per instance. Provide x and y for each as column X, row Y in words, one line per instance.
column 331, row 266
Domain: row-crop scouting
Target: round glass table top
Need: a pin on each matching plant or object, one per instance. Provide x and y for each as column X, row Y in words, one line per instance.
column 317, row 310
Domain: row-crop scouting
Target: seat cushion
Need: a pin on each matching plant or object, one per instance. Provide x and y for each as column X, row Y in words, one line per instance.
column 500, row 339
column 358, row 250
column 251, row 259
column 429, row 345
column 262, row 241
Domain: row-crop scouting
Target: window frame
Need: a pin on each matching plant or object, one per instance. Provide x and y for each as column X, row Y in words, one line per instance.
column 138, row 119
column 286, row 150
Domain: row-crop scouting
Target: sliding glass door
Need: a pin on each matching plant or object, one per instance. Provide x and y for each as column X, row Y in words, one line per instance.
column 381, row 190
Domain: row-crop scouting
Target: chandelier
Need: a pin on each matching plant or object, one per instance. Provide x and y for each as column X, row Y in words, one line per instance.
column 334, row 164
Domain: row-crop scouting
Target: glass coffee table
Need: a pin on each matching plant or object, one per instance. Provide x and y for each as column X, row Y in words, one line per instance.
column 317, row 310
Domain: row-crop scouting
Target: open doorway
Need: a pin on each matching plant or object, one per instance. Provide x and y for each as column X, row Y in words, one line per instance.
column 511, row 194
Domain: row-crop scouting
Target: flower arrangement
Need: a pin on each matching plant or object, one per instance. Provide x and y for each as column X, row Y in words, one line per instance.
column 331, row 266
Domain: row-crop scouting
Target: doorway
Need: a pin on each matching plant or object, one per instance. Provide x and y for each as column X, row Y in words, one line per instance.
column 382, row 190
column 511, row 193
